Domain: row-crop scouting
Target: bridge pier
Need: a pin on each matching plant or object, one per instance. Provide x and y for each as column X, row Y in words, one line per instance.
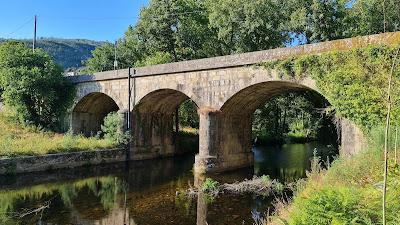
column 225, row 142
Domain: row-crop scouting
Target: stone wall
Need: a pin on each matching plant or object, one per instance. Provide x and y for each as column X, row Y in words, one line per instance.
column 59, row 161
column 353, row 140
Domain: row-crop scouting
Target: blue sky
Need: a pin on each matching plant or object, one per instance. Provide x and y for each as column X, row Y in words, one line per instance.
column 104, row 20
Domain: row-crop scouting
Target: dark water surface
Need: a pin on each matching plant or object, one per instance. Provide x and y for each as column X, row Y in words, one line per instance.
column 145, row 192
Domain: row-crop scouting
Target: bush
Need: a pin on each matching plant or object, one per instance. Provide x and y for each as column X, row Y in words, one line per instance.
column 330, row 206
column 113, row 129
column 210, row 185
column 33, row 85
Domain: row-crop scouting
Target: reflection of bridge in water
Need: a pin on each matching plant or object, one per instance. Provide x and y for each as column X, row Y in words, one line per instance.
column 96, row 195
column 227, row 90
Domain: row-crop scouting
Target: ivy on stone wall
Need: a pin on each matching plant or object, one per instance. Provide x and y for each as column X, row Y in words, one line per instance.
column 354, row 81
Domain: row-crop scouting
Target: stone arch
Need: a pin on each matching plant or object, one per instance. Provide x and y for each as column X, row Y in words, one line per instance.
column 237, row 111
column 226, row 140
column 161, row 101
column 153, row 123
column 89, row 112
column 248, row 99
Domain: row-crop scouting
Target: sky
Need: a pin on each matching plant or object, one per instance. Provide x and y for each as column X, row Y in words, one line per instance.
column 102, row 20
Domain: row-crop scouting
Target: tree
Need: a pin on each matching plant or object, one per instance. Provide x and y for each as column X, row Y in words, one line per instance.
column 102, row 60
column 248, row 25
column 188, row 114
column 292, row 114
column 367, row 17
column 33, row 85
column 318, row 20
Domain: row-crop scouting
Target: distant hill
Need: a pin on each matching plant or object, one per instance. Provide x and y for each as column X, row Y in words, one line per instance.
column 68, row 53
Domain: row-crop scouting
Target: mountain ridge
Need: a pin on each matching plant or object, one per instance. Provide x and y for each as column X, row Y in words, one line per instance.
column 68, row 53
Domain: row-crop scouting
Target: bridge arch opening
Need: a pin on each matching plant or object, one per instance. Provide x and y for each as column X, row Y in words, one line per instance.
column 165, row 122
column 89, row 113
column 237, row 138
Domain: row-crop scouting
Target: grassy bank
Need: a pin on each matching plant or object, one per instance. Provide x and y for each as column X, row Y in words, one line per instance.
column 17, row 140
column 349, row 192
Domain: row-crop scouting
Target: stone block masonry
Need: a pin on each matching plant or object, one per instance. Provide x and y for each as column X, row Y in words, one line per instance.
column 227, row 90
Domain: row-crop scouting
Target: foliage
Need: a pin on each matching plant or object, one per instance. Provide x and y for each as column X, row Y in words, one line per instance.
column 157, row 58
column 330, row 206
column 349, row 192
column 209, row 185
column 192, row 29
column 244, row 26
column 368, row 15
column 292, row 115
column 103, row 58
column 113, row 129
column 17, row 140
column 318, row 20
column 13, row 202
column 353, row 81
column 188, row 114
column 68, row 53
column 31, row 84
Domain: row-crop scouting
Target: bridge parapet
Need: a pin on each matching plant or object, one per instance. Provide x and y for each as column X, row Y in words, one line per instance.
column 243, row 59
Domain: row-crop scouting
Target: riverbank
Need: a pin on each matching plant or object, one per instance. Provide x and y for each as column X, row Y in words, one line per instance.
column 17, row 140
column 349, row 192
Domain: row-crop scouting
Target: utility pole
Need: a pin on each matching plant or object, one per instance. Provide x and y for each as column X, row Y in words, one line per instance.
column 34, row 34
column 131, row 87
column 128, row 117
column 115, row 56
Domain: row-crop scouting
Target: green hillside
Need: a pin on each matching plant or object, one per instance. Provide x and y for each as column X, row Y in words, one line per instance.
column 68, row 53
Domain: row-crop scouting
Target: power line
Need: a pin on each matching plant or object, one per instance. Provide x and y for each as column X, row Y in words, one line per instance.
column 20, row 27
column 119, row 18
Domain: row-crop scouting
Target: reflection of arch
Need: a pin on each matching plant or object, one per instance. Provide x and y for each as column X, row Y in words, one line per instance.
column 88, row 114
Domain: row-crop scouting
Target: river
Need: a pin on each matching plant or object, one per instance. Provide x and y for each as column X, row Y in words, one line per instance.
column 144, row 193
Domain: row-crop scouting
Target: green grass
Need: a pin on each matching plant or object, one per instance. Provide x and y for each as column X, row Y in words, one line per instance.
column 349, row 192
column 17, row 140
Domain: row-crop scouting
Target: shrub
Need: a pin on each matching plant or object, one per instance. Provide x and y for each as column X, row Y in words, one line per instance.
column 113, row 129
column 330, row 206
column 210, row 185
column 33, row 85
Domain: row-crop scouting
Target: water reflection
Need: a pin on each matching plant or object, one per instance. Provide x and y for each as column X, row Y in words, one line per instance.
column 145, row 192
column 289, row 162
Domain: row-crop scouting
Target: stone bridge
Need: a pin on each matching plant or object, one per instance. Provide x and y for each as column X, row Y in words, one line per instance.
column 227, row 90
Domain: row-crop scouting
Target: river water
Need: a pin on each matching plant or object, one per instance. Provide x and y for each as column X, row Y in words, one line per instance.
column 145, row 193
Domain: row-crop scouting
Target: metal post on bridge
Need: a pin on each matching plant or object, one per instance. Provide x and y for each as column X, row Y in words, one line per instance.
column 131, row 86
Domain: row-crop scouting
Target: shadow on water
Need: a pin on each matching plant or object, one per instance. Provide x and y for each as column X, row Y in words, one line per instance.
column 145, row 192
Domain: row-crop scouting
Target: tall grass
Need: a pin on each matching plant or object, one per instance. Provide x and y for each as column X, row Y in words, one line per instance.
column 349, row 192
column 18, row 140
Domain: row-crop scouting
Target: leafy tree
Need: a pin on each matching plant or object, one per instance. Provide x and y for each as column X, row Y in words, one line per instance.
column 178, row 27
column 318, row 20
column 188, row 114
column 33, row 85
column 292, row 114
column 157, row 58
column 248, row 25
column 103, row 59
column 367, row 17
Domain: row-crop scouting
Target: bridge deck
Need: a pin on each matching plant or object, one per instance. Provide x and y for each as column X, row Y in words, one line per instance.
column 245, row 58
